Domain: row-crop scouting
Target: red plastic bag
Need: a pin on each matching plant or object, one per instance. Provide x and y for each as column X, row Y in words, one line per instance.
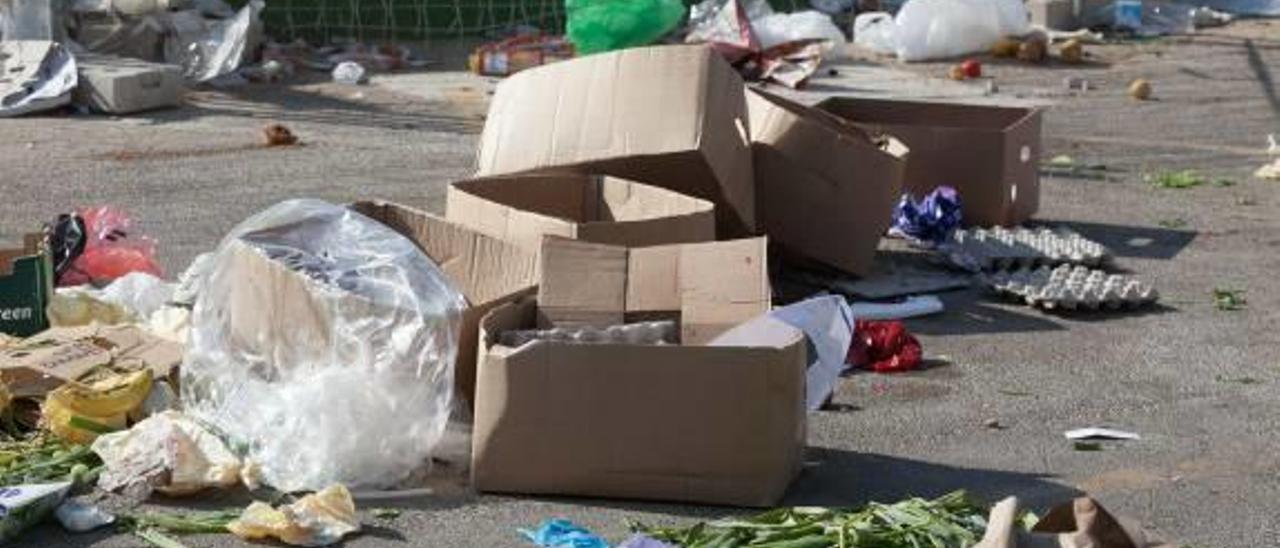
column 884, row 347
column 111, row 250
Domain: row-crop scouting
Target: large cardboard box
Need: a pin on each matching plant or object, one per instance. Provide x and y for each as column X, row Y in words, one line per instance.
column 991, row 155
column 824, row 189
column 26, row 285
column 593, row 208
column 692, row 422
column 487, row 271
column 671, row 116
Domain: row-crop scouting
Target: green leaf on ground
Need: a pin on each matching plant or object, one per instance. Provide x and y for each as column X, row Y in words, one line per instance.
column 1176, row 179
column 1229, row 299
column 385, row 513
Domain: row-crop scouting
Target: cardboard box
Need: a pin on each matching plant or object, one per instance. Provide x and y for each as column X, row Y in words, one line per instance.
column 121, row 86
column 39, row 364
column 488, row 272
column 26, row 285
column 671, row 116
column 824, row 190
column 593, row 208
column 690, row 422
column 991, row 155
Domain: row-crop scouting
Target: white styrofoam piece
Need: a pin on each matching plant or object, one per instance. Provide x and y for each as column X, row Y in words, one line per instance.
column 1001, row 248
column 1073, row 287
column 1094, row 432
column 921, row 305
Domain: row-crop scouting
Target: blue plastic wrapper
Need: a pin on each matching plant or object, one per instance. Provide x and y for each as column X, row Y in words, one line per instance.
column 562, row 533
column 930, row 219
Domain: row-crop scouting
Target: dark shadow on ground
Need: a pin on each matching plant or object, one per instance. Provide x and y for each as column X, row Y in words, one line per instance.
column 976, row 312
column 844, row 478
column 1142, row 242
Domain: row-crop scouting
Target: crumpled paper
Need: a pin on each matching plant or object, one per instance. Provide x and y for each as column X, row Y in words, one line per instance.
column 930, row 219
column 169, row 453
column 318, row 519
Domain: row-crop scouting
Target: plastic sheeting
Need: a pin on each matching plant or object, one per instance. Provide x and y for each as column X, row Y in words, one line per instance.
column 939, row 29
column 39, row 75
column 207, row 50
column 324, row 342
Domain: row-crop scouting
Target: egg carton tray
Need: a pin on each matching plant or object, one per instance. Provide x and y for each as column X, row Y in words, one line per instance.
column 641, row 333
column 1068, row 287
column 990, row 249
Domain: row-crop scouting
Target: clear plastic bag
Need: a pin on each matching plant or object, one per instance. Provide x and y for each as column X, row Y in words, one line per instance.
column 781, row 28
column 939, row 29
column 207, row 50
column 875, row 31
column 324, row 342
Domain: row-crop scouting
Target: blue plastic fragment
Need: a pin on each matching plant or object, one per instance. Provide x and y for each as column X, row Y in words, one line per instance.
column 562, row 533
column 930, row 219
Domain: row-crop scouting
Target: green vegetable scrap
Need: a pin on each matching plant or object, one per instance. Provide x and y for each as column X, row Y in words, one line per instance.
column 1176, row 222
column 951, row 520
column 1176, row 179
column 385, row 513
column 1087, row 446
column 43, row 459
column 1238, row 380
column 156, row 528
column 1229, row 299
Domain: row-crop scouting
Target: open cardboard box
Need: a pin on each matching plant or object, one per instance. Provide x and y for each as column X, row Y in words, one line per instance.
column 670, row 116
column 594, row 208
column 991, row 155
column 709, row 421
column 487, row 271
column 824, row 189
column 38, row 364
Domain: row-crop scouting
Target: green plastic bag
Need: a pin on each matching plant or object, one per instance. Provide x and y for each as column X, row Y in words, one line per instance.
column 605, row 25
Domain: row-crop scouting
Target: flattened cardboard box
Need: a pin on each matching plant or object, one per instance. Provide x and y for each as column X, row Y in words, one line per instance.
column 991, row 155
column 670, row 116
column 690, row 422
column 824, row 189
column 522, row 208
column 26, row 285
column 41, row 363
column 487, row 271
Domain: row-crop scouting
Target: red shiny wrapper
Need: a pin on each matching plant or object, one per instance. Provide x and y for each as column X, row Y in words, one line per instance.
column 884, row 347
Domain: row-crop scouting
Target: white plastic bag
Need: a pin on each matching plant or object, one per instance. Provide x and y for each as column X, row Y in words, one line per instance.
column 938, row 29
column 324, row 342
column 780, row 28
column 875, row 31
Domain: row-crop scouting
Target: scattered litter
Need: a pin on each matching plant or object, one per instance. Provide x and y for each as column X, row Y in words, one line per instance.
column 1269, row 171
column 999, row 248
column 1072, row 51
column 1177, row 179
column 829, row 327
column 1207, row 17
column 1076, row 83
column 318, row 519
column 82, row 517
column 1080, row 523
column 209, row 49
column 131, row 298
column 80, row 356
column 96, row 245
column 931, row 219
column 350, row 73
column 27, row 505
column 177, row 523
column 1034, row 49
column 1229, row 299
column 993, row 424
column 79, row 413
column 644, row 541
column 884, row 347
column 763, row 45
column 911, row 307
column 277, row 135
column 596, row 26
column 1096, row 433
column 385, row 513
column 519, row 53
column 38, row 76
column 660, row 332
column 169, row 453
column 949, row 520
column 348, row 377
column 1140, row 89
column 1087, row 446
column 562, row 533
column 1237, row 380
column 1070, row 287
column 938, row 29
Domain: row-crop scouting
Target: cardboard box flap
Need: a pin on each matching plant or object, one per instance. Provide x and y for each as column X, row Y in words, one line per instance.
column 671, row 116
column 714, row 285
column 899, row 112
column 40, row 363
column 483, row 268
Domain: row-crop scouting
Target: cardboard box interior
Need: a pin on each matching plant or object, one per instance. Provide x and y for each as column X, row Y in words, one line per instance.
column 521, row 209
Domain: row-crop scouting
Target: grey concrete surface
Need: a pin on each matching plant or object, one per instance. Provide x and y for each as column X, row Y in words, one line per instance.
column 1206, row 472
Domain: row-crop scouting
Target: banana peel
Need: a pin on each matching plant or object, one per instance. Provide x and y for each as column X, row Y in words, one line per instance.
column 78, row 413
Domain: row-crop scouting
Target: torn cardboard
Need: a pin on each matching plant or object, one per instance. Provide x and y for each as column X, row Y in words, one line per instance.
column 825, row 191
column 713, row 425
column 671, row 116
column 488, row 272
column 714, row 286
column 991, row 155
column 39, row 364
column 26, row 286
column 593, row 208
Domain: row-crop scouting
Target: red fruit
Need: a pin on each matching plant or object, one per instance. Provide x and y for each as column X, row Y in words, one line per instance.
column 972, row 68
